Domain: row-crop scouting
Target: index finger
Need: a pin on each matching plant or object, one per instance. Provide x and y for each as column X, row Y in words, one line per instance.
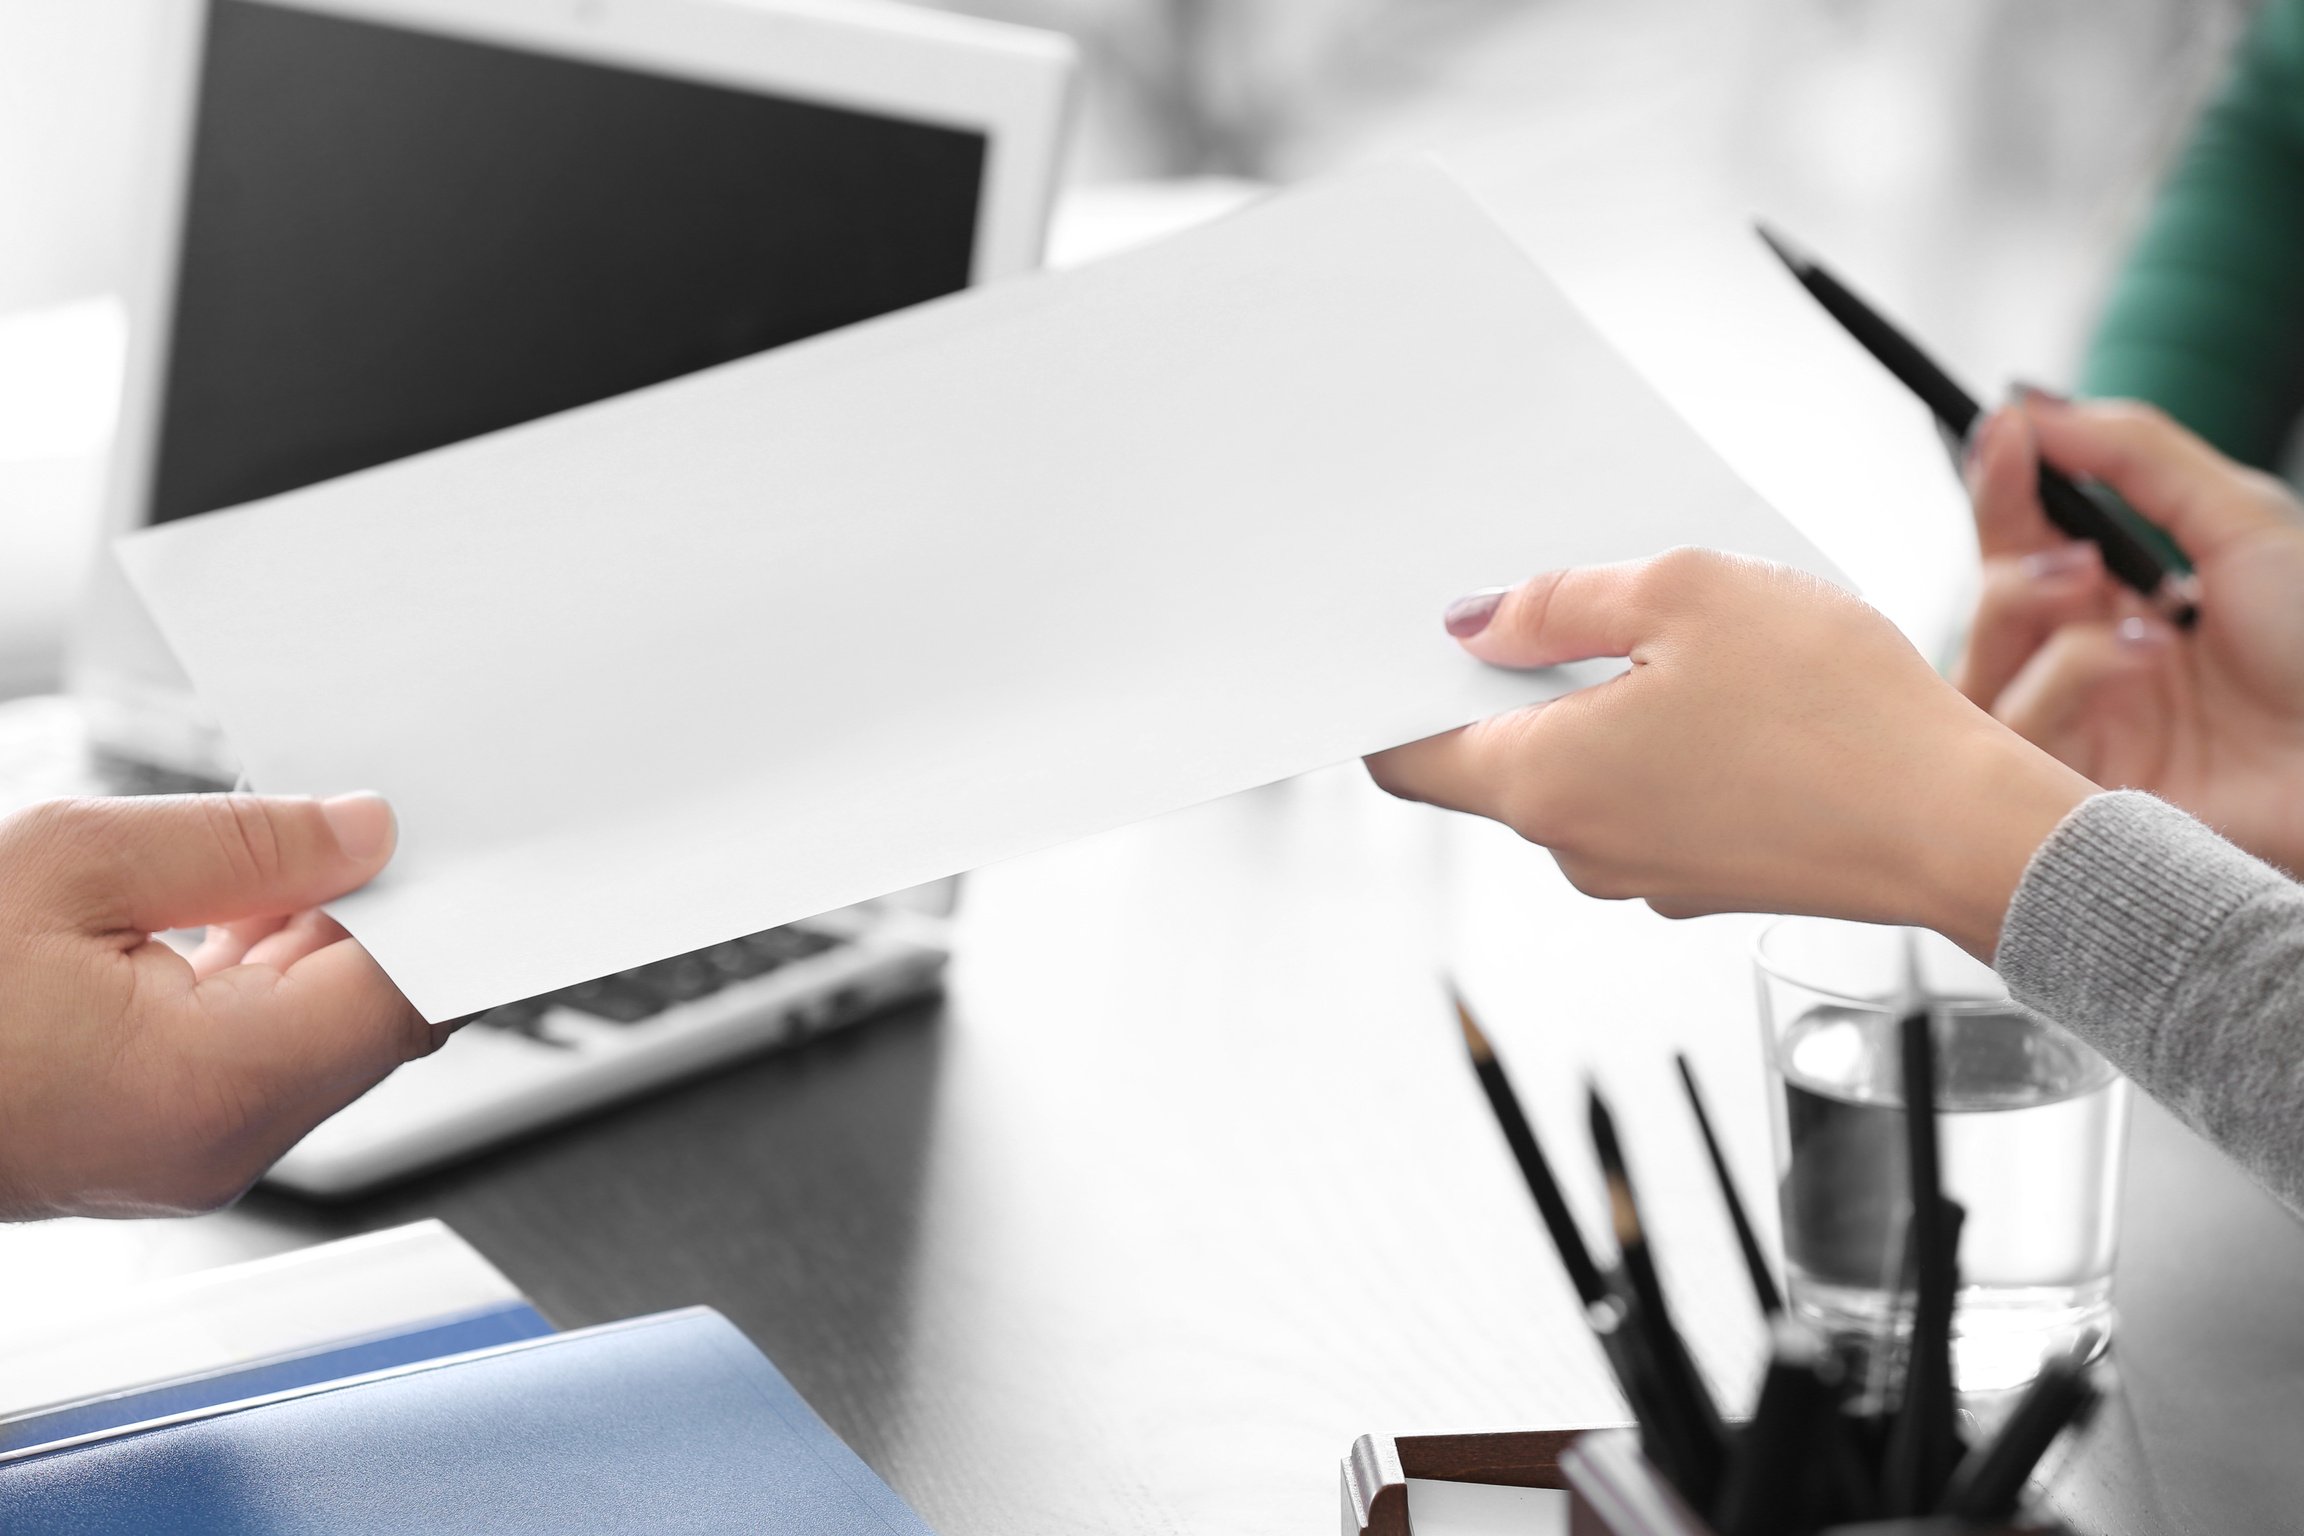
column 2004, row 488
column 2203, row 499
column 312, row 1037
column 1455, row 770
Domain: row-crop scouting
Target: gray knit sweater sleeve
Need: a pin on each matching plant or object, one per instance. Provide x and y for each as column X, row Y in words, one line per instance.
column 2182, row 960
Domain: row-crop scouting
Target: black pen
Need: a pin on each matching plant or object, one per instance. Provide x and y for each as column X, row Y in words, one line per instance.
column 1666, row 1438
column 2080, row 511
column 1924, row 1443
column 1687, row 1400
column 1607, row 1314
column 1989, row 1484
column 1755, row 1262
column 1772, row 1480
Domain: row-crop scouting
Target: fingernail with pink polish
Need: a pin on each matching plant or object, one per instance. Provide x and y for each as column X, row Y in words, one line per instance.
column 2141, row 634
column 1469, row 614
column 2066, row 560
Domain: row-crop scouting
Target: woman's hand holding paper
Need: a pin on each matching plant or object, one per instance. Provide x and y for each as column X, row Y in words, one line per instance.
column 1775, row 746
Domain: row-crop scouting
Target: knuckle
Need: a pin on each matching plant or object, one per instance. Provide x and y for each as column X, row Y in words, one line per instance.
column 2138, row 417
column 1656, row 586
column 1678, row 577
column 246, row 837
column 1607, row 885
column 1531, row 606
column 1687, row 558
column 1598, row 881
column 2273, row 492
column 2002, row 584
column 1532, row 809
column 2141, row 432
column 1528, row 611
column 2075, row 648
column 1679, row 565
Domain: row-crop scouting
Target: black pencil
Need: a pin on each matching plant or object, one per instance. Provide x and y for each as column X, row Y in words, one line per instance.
column 1773, row 1482
column 1923, row 1444
column 1755, row 1262
column 1687, row 1399
column 2080, row 511
column 1989, row 1484
column 1566, row 1237
column 1608, row 1315
column 1666, row 1439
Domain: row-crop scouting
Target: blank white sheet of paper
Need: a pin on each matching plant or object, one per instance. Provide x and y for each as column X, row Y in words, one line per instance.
column 993, row 573
column 1478, row 1509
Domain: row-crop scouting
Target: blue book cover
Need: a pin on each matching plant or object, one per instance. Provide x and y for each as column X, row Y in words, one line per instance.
column 479, row 1329
column 672, row 1422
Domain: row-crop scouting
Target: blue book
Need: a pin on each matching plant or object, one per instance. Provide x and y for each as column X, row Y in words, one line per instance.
column 672, row 1422
column 253, row 1329
column 500, row 1324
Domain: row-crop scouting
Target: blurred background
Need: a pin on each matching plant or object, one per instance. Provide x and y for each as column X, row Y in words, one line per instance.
column 2054, row 112
column 1978, row 164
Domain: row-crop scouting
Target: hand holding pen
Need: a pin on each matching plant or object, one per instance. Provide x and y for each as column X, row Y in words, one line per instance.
column 2140, row 616
column 2212, row 720
column 2132, row 551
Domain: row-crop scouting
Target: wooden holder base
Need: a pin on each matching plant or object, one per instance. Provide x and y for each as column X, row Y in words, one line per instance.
column 1613, row 1491
column 1376, row 1472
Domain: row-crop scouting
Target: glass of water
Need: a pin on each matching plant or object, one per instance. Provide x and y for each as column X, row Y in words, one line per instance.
column 2031, row 1123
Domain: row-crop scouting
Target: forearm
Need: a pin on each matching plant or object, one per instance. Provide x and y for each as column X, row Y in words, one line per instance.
column 1998, row 801
column 2182, row 960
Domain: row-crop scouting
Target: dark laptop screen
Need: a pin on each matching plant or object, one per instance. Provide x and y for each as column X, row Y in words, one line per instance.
column 394, row 240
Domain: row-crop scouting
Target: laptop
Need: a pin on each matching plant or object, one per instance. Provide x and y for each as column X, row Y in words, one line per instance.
column 384, row 226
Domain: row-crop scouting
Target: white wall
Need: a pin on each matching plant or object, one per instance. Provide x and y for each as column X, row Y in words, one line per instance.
column 73, row 77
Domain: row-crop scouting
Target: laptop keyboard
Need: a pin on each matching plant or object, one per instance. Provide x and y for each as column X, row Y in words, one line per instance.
column 126, row 776
column 631, row 997
column 527, row 1064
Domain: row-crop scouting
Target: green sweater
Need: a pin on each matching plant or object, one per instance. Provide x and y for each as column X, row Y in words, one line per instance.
column 2207, row 318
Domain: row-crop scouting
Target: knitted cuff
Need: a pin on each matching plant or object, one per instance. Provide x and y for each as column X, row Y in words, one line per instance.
column 2111, row 912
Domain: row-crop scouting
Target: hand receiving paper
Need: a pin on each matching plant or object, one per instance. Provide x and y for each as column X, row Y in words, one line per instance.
column 137, row 1081
column 1777, row 746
